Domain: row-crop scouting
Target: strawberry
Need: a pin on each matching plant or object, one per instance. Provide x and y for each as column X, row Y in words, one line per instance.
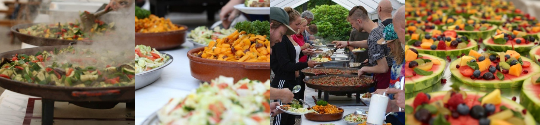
column 455, row 100
column 420, row 99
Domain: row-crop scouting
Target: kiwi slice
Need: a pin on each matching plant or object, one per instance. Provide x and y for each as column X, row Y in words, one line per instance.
column 419, row 61
column 504, row 65
column 462, row 45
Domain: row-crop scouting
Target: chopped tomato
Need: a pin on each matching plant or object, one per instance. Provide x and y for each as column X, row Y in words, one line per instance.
column 155, row 55
column 14, row 58
column 5, row 76
column 131, row 76
column 108, row 66
column 99, row 72
column 266, row 107
column 40, row 58
column 256, row 118
column 18, row 67
column 68, row 73
column 138, row 52
column 223, row 85
column 48, row 69
column 244, row 86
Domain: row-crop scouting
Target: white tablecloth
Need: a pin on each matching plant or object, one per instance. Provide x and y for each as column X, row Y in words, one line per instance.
column 175, row 81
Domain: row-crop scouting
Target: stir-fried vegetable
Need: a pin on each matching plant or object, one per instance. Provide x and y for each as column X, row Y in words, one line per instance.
column 67, row 31
column 44, row 69
column 147, row 58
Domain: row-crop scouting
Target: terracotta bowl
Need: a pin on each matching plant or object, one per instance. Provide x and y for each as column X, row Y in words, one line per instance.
column 324, row 117
column 207, row 69
column 163, row 40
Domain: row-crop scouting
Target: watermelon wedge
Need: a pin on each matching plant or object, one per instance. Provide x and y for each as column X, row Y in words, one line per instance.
column 521, row 48
column 535, row 54
column 414, row 82
column 535, row 35
column 471, row 100
column 509, row 81
column 490, row 21
column 530, row 96
column 449, row 51
column 484, row 34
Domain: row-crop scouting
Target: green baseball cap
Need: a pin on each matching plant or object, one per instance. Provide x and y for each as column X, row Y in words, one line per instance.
column 281, row 16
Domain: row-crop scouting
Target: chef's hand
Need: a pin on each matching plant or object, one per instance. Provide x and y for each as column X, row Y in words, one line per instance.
column 228, row 13
column 312, row 63
column 340, row 44
column 273, row 108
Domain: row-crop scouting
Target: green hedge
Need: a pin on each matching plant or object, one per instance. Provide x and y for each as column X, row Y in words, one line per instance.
column 332, row 22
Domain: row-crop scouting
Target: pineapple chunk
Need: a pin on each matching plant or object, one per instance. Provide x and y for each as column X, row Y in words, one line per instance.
column 494, row 97
column 506, row 114
column 516, row 121
column 499, row 122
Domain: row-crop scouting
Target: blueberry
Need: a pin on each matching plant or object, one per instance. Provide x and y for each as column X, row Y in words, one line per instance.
column 531, row 38
column 473, row 60
column 484, row 121
column 490, row 108
column 423, row 115
column 439, row 37
column 434, row 39
column 518, row 41
column 478, row 112
column 465, row 38
column 417, row 43
column 448, row 39
column 458, row 40
column 418, row 21
column 513, row 36
column 414, row 50
column 463, row 109
column 457, row 27
column 428, row 36
column 514, row 62
column 476, row 73
column 497, row 67
column 413, row 64
column 506, row 38
column 428, row 96
column 507, row 56
column 433, row 47
column 506, row 35
column 483, row 21
column 481, row 58
column 492, row 69
column 454, row 43
column 492, row 58
column 488, row 76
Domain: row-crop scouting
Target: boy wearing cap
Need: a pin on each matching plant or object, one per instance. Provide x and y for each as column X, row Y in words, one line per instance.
column 283, row 59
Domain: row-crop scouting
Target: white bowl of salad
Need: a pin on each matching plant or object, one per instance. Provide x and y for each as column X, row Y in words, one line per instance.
column 201, row 36
column 148, row 65
column 355, row 119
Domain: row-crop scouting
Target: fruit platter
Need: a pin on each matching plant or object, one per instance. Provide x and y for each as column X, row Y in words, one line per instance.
column 516, row 40
column 499, row 70
column 503, row 63
column 442, row 44
column 465, row 107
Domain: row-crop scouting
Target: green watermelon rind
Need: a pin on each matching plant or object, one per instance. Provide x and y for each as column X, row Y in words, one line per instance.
column 490, row 21
column 443, row 54
column 514, row 83
column 535, row 35
column 529, row 119
column 477, row 34
column 532, row 54
column 503, row 48
column 529, row 101
column 428, row 81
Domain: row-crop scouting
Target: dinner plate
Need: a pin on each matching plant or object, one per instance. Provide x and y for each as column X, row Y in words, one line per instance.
column 289, row 112
column 152, row 120
column 366, row 99
column 253, row 10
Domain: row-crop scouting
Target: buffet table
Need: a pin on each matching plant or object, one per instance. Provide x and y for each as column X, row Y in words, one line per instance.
column 175, row 81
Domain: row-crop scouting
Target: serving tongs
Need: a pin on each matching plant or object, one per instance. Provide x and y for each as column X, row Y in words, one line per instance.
column 88, row 19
